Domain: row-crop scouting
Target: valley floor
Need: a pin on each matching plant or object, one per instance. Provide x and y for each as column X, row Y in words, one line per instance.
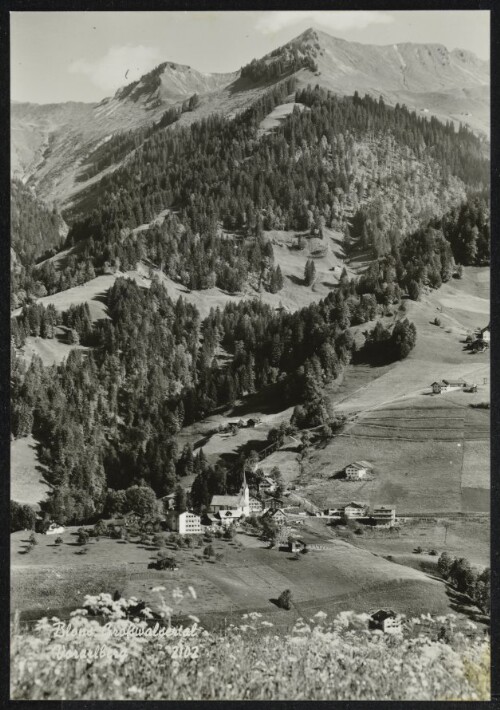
column 332, row 577
column 430, row 455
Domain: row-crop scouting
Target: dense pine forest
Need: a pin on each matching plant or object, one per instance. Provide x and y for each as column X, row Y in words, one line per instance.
column 36, row 231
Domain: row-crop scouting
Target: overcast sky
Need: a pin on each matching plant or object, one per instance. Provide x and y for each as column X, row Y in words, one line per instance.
column 85, row 56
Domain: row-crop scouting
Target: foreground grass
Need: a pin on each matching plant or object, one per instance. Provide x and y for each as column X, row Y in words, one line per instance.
column 319, row 660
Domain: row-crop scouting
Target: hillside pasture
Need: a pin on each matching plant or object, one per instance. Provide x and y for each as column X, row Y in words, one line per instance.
column 426, row 453
column 27, row 483
column 249, row 577
column 52, row 351
column 277, row 115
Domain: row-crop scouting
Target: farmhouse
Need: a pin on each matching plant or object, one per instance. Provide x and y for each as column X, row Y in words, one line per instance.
column 271, row 502
column 333, row 512
column 186, row 523
column 255, row 505
column 295, row 544
column 448, row 386
column 267, row 485
column 485, row 334
column 354, row 510
column 384, row 516
column 277, row 515
column 357, row 470
column 166, row 503
column 386, row 620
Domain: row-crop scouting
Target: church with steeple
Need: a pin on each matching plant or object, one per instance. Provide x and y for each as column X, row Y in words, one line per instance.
column 228, row 508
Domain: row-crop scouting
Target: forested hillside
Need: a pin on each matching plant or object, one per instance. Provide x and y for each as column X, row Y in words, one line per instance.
column 36, row 231
column 407, row 190
column 392, row 169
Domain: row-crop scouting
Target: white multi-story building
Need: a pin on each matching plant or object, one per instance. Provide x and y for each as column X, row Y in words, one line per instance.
column 384, row 516
column 186, row 523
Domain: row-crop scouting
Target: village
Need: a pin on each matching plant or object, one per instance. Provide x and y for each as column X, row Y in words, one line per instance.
column 242, row 549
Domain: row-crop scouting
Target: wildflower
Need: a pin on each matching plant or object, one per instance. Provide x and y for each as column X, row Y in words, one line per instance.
column 192, row 591
column 158, row 589
column 321, row 615
column 178, row 595
column 254, row 615
column 266, row 623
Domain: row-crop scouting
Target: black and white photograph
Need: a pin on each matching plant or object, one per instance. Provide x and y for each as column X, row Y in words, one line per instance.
column 250, row 355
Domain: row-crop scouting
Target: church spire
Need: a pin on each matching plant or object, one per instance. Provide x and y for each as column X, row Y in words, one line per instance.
column 245, row 495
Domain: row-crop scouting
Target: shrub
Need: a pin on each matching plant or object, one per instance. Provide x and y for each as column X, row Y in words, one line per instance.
column 100, row 529
column 433, row 553
column 114, row 532
column 418, row 550
column 32, row 539
column 158, row 540
column 444, row 565
column 437, row 321
column 209, row 551
column 83, row 536
column 166, row 563
column 285, row 600
column 58, row 540
column 462, row 576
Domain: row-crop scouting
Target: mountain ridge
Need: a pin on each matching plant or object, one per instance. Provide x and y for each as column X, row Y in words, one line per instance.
column 50, row 142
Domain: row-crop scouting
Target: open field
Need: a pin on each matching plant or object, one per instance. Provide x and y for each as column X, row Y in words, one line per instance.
column 248, row 577
column 52, row 351
column 426, row 454
column 278, row 114
column 27, row 484
column 464, row 537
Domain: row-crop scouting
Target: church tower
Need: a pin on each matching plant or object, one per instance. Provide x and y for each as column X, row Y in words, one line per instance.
column 245, row 496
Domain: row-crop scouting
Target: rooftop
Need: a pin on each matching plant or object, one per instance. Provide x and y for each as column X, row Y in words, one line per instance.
column 226, row 500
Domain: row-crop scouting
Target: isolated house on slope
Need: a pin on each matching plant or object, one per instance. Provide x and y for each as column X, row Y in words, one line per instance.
column 387, row 621
column 357, row 470
column 448, row 386
column 485, row 334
